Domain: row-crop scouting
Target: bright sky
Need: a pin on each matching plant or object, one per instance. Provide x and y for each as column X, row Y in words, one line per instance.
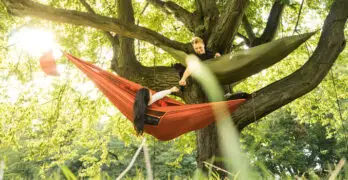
column 33, row 41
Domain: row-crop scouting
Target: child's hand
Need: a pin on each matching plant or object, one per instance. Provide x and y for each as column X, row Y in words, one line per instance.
column 217, row 55
column 174, row 89
column 182, row 82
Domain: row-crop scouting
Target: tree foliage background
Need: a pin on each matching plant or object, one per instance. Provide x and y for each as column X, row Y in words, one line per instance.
column 50, row 121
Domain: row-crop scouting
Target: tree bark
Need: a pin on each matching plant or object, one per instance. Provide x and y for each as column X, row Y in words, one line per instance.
column 248, row 30
column 207, row 15
column 227, row 27
column 126, row 56
column 208, row 147
column 207, row 139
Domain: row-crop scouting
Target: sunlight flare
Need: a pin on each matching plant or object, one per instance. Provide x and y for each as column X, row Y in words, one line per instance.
column 34, row 41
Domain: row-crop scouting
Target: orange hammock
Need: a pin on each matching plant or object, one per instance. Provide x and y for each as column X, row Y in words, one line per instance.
column 166, row 118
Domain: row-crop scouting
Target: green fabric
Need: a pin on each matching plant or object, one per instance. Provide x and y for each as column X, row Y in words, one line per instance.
column 236, row 66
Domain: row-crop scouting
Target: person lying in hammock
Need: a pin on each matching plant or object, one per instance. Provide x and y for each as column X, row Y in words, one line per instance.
column 144, row 98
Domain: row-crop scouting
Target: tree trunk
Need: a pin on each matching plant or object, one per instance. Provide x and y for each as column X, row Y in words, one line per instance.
column 208, row 147
column 206, row 139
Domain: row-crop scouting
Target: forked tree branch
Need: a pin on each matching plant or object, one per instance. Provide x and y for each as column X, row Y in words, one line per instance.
column 271, row 27
column 331, row 44
column 112, row 39
column 179, row 13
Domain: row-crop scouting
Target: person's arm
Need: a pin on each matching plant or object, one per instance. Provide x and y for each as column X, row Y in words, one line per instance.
column 186, row 74
column 159, row 95
column 211, row 54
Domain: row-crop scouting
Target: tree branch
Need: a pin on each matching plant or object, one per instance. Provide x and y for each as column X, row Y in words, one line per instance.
column 87, row 6
column 113, row 154
column 272, row 24
column 30, row 8
column 207, row 14
column 227, row 27
column 179, row 13
column 298, row 16
column 111, row 38
column 248, row 29
column 305, row 79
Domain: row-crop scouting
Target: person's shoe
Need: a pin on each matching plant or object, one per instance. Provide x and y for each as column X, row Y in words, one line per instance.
column 239, row 95
column 227, row 95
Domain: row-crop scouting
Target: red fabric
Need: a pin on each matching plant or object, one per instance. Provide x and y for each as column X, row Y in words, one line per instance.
column 162, row 103
column 176, row 118
column 48, row 64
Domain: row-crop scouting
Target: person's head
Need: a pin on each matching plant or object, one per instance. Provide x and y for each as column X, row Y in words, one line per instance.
column 142, row 99
column 198, row 45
